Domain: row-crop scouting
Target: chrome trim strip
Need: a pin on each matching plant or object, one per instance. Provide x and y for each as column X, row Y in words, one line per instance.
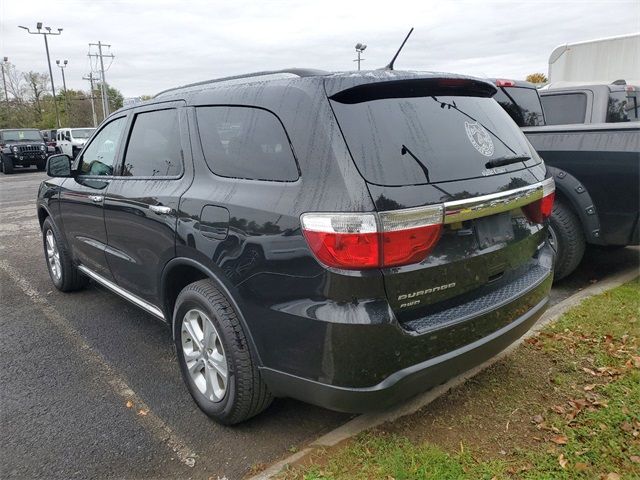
column 470, row 208
column 152, row 309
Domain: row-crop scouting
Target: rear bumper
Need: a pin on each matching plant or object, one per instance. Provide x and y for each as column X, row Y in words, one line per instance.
column 407, row 382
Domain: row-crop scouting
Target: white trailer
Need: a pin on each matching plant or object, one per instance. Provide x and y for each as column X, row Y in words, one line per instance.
column 603, row 60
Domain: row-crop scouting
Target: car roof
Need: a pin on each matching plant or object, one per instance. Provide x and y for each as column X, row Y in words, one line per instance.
column 18, row 129
column 302, row 78
column 292, row 74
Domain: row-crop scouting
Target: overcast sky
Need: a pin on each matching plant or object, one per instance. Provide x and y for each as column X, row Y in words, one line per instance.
column 159, row 44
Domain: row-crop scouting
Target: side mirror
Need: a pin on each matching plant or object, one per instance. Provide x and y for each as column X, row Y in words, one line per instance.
column 59, row 166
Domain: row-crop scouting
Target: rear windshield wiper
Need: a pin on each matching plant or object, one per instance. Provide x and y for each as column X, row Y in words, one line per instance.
column 506, row 160
column 404, row 150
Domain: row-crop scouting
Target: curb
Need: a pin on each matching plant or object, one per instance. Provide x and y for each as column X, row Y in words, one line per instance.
column 371, row 420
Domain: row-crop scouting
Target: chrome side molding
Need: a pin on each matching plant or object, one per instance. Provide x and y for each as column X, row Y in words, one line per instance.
column 143, row 304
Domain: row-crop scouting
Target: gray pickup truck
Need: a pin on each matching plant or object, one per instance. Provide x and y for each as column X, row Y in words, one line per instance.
column 589, row 137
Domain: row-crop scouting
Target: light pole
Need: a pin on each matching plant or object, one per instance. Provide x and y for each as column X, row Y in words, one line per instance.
column 360, row 47
column 64, row 86
column 46, row 46
column 5, row 60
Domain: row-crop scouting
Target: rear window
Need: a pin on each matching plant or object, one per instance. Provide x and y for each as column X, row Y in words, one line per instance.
column 246, row 142
column 564, row 109
column 522, row 104
column 393, row 140
column 622, row 107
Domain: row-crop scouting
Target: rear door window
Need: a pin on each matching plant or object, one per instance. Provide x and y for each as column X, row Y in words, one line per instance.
column 393, row 140
column 564, row 109
column 522, row 104
column 246, row 142
column 154, row 145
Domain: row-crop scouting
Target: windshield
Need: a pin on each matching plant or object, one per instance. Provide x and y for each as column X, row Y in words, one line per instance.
column 452, row 136
column 22, row 135
column 82, row 132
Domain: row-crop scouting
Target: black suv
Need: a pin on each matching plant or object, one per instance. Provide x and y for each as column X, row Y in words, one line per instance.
column 345, row 239
column 22, row 147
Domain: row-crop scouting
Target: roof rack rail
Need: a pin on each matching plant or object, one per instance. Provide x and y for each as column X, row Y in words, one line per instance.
column 300, row 72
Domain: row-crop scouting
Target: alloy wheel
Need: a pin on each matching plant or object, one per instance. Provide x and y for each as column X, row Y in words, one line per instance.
column 204, row 355
column 53, row 256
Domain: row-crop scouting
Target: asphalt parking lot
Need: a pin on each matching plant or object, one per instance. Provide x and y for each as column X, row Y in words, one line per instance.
column 91, row 387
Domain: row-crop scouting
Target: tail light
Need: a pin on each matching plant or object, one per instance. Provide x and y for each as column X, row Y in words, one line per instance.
column 369, row 240
column 541, row 209
column 505, row 83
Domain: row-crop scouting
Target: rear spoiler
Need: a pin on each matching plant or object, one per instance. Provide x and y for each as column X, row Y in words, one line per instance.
column 415, row 87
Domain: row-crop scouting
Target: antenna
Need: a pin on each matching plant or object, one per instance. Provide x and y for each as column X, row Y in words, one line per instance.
column 390, row 66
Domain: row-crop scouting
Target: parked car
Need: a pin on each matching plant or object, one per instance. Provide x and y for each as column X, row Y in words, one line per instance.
column 345, row 239
column 71, row 140
column 22, row 147
column 49, row 137
column 591, row 145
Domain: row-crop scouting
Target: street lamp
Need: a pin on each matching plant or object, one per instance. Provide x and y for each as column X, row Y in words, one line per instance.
column 64, row 85
column 360, row 47
column 5, row 60
column 46, row 46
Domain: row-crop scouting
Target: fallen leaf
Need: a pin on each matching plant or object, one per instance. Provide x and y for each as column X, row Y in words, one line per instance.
column 634, row 458
column 611, row 476
column 538, row 419
column 129, row 404
column 562, row 461
column 560, row 440
column 581, row 467
column 588, row 388
column 626, row 427
column 558, row 409
column 143, row 413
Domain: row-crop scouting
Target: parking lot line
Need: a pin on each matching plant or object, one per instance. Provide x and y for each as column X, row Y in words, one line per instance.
column 151, row 422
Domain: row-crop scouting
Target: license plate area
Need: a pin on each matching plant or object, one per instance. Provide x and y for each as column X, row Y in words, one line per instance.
column 494, row 230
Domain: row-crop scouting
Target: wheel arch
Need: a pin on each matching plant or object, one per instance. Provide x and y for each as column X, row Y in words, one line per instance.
column 573, row 193
column 43, row 214
column 182, row 271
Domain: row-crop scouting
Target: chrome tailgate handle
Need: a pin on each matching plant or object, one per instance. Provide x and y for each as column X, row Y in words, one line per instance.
column 96, row 198
column 160, row 209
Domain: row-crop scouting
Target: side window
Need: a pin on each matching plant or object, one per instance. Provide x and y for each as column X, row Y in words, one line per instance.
column 621, row 107
column 564, row 109
column 154, row 145
column 98, row 157
column 245, row 142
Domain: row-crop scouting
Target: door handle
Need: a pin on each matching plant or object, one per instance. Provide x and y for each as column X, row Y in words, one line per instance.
column 96, row 198
column 160, row 209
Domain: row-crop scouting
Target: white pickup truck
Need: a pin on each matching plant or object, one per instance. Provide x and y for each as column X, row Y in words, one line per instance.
column 71, row 140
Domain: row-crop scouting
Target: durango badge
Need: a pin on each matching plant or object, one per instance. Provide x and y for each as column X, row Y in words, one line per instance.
column 479, row 138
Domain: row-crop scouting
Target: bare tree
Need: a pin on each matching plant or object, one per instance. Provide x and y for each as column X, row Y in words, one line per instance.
column 38, row 85
column 15, row 82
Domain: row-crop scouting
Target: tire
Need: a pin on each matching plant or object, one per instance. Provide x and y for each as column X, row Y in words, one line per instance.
column 565, row 232
column 244, row 394
column 7, row 166
column 64, row 275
